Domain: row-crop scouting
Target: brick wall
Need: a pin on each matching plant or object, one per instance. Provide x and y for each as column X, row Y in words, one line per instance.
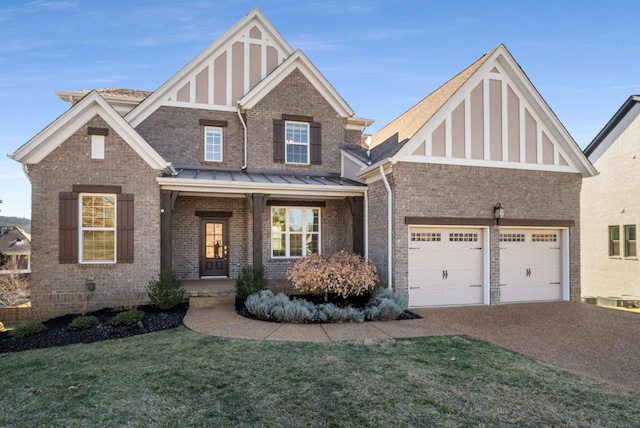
column 430, row 190
column 295, row 96
column 378, row 203
column 176, row 134
column 61, row 288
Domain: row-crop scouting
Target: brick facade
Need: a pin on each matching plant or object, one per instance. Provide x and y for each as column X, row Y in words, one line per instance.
column 61, row 288
column 176, row 134
column 432, row 190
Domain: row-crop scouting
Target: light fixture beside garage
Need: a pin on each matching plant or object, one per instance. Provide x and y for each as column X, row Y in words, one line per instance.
column 498, row 212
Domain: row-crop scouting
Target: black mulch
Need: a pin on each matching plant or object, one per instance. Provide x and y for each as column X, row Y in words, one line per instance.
column 59, row 334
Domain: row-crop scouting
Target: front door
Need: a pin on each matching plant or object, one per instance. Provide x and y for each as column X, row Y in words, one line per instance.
column 214, row 260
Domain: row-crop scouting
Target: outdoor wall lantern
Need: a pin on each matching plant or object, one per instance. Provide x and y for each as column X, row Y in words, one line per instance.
column 498, row 212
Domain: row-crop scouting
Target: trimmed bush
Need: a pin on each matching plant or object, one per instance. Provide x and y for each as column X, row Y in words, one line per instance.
column 83, row 322
column 386, row 305
column 340, row 273
column 25, row 329
column 127, row 318
column 166, row 291
column 251, row 279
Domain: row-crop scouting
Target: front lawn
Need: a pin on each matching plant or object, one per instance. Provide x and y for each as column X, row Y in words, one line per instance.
column 181, row 378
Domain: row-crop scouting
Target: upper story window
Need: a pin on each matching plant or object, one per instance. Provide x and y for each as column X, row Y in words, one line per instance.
column 97, row 228
column 614, row 240
column 297, row 142
column 630, row 241
column 212, row 144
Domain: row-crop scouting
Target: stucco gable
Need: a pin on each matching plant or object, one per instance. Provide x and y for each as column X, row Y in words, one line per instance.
column 55, row 134
column 489, row 115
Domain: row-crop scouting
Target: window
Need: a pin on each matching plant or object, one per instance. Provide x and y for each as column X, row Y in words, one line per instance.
column 512, row 237
column 426, row 237
column 295, row 232
column 630, row 240
column 544, row 237
column 97, row 228
column 297, row 142
column 614, row 240
column 463, row 237
column 212, row 144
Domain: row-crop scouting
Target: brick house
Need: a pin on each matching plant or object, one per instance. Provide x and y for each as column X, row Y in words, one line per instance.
column 610, row 211
column 15, row 250
column 248, row 155
column 482, row 182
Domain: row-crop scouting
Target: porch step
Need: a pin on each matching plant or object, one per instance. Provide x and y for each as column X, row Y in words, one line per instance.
column 210, row 301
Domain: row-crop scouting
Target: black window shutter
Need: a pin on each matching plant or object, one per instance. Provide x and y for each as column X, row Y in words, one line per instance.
column 316, row 144
column 278, row 141
column 68, row 228
column 124, row 234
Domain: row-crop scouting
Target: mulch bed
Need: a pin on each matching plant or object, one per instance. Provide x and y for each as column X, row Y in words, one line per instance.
column 59, row 334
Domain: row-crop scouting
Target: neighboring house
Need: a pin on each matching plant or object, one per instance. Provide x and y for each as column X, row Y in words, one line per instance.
column 15, row 247
column 248, row 155
column 610, row 211
column 235, row 160
column 485, row 141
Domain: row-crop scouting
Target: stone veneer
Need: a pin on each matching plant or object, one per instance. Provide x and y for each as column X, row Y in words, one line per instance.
column 61, row 288
column 433, row 190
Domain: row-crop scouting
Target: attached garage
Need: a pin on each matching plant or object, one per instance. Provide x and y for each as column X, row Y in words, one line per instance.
column 531, row 262
column 447, row 266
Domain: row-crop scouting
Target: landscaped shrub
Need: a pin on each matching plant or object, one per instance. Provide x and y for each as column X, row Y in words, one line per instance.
column 83, row 322
column 251, row 279
column 13, row 285
column 165, row 292
column 339, row 273
column 128, row 318
column 386, row 305
column 25, row 329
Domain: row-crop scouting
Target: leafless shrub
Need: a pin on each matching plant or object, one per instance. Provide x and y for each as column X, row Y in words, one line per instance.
column 14, row 286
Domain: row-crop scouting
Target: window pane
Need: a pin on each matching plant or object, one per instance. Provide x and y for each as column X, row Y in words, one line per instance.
column 630, row 241
column 98, row 246
column 296, row 153
column 297, row 132
column 295, row 220
column 614, row 240
column 313, row 241
column 279, row 245
column 213, row 144
column 278, row 220
column 295, row 244
column 312, row 219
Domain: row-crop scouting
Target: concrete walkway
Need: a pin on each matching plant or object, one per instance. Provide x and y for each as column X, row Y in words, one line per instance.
column 598, row 342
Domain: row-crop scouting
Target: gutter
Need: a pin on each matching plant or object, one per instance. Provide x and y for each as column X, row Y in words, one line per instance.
column 389, row 227
column 244, row 125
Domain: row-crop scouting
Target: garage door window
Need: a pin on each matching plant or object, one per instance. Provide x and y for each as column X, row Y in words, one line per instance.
column 425, row 237
column 630, row 241
column 614, row 240
column 544, row 237
column 512, row 237
column 463, row 237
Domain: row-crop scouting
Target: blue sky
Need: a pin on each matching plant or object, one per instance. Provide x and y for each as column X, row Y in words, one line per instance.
column 381, row 56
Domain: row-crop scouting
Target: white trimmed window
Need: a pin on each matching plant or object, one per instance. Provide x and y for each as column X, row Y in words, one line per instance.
column 212, row 144
column 97, row 228
column 297, row 142
column 295, row 231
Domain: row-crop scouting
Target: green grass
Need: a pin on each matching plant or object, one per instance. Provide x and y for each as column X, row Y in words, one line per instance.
column 181, row 378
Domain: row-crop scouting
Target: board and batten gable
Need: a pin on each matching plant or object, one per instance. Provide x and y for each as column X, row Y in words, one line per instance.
column 611, row 199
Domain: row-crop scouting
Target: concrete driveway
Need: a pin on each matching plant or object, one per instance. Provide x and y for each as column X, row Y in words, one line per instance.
column 598, row 342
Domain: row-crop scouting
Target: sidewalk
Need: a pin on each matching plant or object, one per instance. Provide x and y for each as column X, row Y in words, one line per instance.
column 224, row 321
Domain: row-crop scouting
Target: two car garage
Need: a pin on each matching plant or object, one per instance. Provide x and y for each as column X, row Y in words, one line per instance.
column 450, row 265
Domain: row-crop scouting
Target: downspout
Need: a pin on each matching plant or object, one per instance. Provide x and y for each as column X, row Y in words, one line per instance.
column 389, row 227
column 244, row 125
column 366, row 224
column 25, row 169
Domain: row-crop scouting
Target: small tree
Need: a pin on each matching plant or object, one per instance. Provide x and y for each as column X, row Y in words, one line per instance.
column 166, row 291
column 341, row 273
column 13, row 285
column 251, row 279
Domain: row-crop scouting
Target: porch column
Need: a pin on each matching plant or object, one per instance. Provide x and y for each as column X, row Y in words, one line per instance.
column 165, row 229
column 357, row 212
column 257, row 201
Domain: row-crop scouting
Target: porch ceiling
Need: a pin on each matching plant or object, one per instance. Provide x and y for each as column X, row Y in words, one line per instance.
column 227, row 181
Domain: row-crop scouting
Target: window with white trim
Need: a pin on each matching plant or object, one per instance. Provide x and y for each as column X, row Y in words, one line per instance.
column 296, row 142
column 97, row 146
column 97, row 228
column 212, row 144
column 295, row 231
column 614, row 241
column 630, row 240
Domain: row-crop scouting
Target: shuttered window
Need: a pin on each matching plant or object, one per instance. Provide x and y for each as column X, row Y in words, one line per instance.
column 296, row 142
column 96, row 228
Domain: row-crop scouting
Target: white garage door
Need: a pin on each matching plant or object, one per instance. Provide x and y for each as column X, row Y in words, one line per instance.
column 445, row 266
column 530, row 265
